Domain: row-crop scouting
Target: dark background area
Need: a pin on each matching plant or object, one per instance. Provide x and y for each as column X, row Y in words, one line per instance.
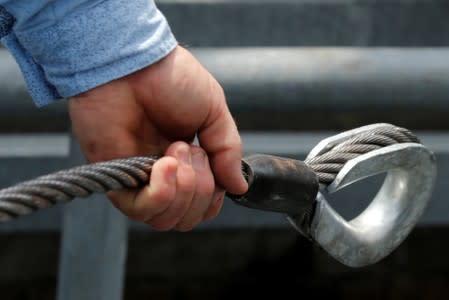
column 224, row 264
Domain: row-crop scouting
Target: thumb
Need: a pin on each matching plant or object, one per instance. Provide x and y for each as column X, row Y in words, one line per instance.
column 220, row 138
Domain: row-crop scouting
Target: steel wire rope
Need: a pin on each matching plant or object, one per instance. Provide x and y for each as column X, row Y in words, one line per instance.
column 63, row 186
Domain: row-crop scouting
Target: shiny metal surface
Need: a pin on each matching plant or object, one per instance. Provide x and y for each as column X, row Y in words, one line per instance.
column 393, row 213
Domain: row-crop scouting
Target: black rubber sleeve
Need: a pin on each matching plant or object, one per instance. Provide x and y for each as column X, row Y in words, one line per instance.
column 278, row 184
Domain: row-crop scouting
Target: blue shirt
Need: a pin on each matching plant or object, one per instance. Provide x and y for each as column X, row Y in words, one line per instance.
column 65, row 47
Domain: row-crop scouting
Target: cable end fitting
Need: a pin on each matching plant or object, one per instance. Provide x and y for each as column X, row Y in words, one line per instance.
column 277, row 184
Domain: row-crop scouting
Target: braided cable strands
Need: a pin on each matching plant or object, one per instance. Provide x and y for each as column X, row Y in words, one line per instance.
column 82, row 181
column 63, row 186
column 328, row 164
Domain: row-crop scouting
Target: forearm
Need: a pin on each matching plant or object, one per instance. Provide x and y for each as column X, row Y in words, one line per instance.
column 65, row 48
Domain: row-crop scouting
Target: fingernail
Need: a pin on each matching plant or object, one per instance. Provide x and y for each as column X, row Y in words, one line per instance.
column 199, row 160
column 184, row 155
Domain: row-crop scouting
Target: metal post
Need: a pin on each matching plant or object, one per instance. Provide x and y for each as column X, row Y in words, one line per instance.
column 93, row 250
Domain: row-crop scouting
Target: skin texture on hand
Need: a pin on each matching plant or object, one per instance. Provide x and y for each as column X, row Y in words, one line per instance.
column 160, row 110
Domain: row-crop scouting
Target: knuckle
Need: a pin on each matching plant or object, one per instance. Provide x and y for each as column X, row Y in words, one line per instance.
column 236, row 143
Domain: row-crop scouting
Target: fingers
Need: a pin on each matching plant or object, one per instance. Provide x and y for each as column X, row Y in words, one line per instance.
column 185, row 189
column 188, row 101
column 215, row 207
column 181, row 192
column 154, row 198
column 220, row 138
column 203, row 191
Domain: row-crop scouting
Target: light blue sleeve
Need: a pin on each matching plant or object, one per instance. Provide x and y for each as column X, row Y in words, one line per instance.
column 65, row 47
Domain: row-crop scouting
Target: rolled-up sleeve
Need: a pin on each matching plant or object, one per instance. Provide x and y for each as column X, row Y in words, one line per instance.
column 69, row 47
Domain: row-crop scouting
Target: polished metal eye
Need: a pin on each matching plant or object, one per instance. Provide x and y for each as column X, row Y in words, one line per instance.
column 392, row 214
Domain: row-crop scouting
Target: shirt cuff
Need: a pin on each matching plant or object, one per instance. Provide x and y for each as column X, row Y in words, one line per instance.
column 90, row 47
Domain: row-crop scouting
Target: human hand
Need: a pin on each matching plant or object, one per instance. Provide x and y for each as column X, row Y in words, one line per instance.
column 159, row 110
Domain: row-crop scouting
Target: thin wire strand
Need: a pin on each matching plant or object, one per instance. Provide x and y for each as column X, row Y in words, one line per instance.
column 325, row 165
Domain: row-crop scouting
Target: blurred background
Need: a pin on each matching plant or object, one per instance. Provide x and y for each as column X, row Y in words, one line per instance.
column 294, row 72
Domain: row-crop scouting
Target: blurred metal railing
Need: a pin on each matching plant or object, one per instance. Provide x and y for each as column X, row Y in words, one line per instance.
column 266, row 79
